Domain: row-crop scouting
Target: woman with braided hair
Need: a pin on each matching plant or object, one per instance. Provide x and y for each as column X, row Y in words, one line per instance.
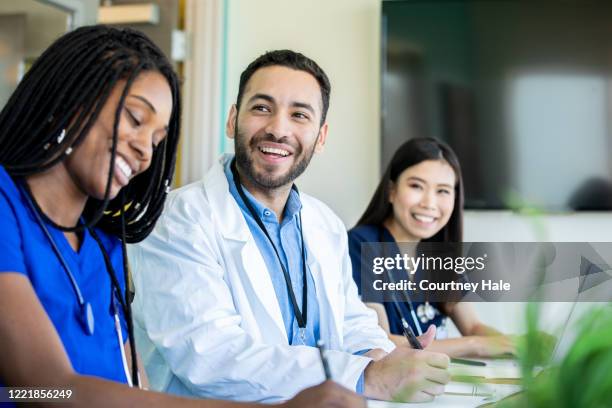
column 89, row 141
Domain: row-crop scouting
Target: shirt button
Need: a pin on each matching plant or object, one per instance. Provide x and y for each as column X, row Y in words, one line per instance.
column 267, row 213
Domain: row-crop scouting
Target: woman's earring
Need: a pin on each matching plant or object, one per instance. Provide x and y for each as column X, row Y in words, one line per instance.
column 61, row 137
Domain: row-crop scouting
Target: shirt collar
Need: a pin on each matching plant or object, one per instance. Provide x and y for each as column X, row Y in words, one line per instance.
column 292, row 206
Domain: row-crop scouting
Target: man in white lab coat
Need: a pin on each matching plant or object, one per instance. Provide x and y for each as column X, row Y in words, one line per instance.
column 243, row 274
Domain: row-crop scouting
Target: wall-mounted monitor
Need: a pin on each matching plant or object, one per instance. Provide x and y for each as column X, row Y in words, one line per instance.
column 521, row 90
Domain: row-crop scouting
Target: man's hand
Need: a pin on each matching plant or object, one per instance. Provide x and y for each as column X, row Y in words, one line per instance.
column 326, row 395
column 376, row 354
column 407, row 375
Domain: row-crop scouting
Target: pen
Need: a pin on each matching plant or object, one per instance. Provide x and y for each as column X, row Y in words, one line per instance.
column 414, row 342
column 324, row 361
column 468, row 362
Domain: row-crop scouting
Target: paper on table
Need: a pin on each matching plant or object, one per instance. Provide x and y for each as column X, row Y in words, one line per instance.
column 443, row 401
column 488, row 371
column 495, row 391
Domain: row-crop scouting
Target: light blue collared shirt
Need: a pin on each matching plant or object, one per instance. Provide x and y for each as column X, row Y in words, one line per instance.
column 286, row 238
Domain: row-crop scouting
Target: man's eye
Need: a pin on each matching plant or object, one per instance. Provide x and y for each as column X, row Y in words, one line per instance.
column 300, row 115
column 261, row 108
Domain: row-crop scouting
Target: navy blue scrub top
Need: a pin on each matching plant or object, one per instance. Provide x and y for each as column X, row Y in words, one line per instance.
column 372, row 233
column 25, row 249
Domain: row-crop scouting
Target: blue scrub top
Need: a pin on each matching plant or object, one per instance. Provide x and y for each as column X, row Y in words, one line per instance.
column 25, row 249
column 372, row 233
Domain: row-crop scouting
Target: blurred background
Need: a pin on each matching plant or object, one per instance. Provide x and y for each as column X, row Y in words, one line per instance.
column 521, row 90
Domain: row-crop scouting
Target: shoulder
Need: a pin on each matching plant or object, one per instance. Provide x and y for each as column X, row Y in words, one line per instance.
column 190, row 199
column 13, row 207
column 318, row 213
column 186, row 206
column 15, row 226
column 364, row 233
column 114, row 249
column 110, row 242
column 186, row 219
column 198, row 200
column 7, row 185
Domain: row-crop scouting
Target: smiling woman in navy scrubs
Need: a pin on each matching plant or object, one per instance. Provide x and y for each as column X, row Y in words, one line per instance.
column 88, row 140
column 420, row 198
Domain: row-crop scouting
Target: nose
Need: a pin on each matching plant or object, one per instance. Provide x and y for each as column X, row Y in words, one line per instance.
column 428, row 199
column 142, row 145
column 278, row 125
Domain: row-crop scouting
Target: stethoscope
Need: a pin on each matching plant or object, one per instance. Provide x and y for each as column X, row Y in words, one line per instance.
column 424, row 312
column 85, row 316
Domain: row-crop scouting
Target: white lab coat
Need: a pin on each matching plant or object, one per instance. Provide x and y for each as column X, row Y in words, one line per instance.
column 207, row 318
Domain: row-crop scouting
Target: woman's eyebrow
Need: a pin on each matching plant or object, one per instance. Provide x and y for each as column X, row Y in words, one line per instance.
column 445, row 185
column 146, row 101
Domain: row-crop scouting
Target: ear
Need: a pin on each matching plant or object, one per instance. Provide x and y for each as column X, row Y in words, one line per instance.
column 321, row 139
column 230, row 125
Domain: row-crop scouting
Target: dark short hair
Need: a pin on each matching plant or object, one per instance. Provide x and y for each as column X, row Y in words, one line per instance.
column 289, row 59
column 407, row 155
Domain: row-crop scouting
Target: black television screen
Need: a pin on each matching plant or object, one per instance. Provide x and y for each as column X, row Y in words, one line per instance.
column 521, row 90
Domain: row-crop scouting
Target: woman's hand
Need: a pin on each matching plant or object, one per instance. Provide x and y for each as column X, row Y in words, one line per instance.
column 326, row 395
column 492, row 346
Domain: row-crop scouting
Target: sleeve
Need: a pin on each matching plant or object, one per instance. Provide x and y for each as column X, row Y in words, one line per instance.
column 11, row 251
column 187, row 310
column 361, row 263
column 354, row 243
column 361, row 329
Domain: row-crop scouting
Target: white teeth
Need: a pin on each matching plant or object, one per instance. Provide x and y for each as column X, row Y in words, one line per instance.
column 423, row 218
column 123, row 166
column 272, row 150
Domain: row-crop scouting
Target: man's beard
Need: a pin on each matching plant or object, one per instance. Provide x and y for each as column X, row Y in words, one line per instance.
column 244, row 161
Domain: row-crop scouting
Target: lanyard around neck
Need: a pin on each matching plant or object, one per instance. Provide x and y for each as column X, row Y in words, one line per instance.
column 300, row 315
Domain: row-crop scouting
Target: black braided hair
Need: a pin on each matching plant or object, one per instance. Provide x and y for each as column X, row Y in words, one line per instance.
column 65, row 89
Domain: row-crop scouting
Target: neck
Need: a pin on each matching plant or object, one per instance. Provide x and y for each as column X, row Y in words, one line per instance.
column 274, row 199
column 57, row 195
column 398, row 232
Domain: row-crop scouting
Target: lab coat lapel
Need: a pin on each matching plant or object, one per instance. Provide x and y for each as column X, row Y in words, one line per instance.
column 239, row 241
